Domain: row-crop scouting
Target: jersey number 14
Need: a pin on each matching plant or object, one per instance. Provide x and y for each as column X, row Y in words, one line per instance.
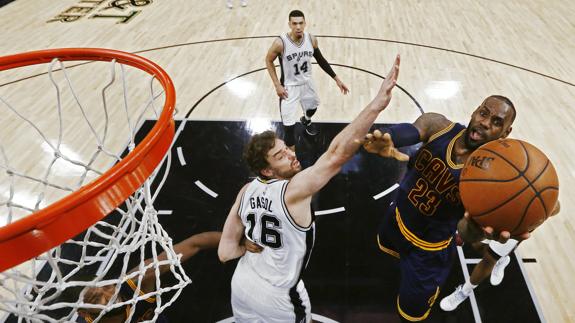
column 302, row 68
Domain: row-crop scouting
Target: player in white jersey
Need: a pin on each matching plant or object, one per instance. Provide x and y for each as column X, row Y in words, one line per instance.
column 295, row 50
column 274, row 211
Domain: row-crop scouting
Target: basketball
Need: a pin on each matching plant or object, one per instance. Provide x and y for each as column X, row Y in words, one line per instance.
column 510, row 185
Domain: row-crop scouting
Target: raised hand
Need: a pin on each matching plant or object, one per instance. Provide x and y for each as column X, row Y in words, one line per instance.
column 384, row 95
column 382, row 144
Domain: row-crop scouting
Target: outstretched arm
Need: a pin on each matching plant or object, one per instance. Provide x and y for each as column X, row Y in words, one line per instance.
column 404, row 134
column 343, row 146
column 322, row 62
column 230, row 244
column 187, row 248
column 274, row 51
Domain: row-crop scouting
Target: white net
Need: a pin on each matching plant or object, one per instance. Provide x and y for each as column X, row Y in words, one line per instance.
column 58, row 133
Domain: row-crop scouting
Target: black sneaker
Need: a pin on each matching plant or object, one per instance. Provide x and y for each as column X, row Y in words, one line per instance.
column 310, row 128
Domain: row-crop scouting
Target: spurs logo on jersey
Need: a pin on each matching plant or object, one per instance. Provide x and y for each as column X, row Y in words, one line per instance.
column 287, row 246
column 296, row 60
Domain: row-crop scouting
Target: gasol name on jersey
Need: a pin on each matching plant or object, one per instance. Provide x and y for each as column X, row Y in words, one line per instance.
column 260, row 202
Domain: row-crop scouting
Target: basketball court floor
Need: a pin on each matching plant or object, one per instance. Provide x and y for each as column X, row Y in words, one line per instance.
column 454, row 54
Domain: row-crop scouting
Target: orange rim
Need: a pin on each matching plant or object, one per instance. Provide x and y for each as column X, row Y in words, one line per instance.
column 62, row 220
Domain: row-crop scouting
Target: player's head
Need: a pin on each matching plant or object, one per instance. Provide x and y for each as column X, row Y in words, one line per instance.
column 101, row 296
column 491, row 120
column 296, row 22
column 269, row 157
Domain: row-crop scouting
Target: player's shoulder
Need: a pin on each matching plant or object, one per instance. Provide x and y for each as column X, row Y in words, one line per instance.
column 431, row 123
column 313, row 40
column 244, row 189
column 434, row 119
column 278, row 42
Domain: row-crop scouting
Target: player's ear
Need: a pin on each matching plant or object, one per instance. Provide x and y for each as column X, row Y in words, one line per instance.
column 507, row 132
column 267, row 172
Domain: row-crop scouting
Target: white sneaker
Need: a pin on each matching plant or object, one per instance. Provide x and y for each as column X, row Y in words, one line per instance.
column 449, row 303
column 229, row 4
column 499, row 270
column 244, row 3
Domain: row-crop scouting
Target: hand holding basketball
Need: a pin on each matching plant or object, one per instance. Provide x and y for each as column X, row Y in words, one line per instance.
column 509, row 185
column 470, row 231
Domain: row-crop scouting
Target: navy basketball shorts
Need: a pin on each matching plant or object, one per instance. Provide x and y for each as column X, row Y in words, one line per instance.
column 423, row 272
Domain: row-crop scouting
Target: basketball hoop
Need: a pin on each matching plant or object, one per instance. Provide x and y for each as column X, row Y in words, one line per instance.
column 128, row 181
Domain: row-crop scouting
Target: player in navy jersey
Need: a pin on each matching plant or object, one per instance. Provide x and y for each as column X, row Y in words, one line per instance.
column 295, row 50
column 144, row 309
column 420, row 225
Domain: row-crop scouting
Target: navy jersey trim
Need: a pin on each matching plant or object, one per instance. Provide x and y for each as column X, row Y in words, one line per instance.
column 449, row 149
column 387, row 250
column 425, row 314
column 441, row 132
column 417, row 241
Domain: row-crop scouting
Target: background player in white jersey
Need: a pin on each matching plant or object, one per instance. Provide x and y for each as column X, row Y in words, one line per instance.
column 296, row 87
column 274, row 211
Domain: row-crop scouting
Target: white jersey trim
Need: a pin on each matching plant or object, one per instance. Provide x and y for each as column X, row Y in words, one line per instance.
column 296, row 45
column 267, row 181
column 289, row 216
column 283, row 49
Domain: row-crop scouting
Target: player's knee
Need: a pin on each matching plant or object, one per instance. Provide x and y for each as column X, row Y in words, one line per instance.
column 289, row 135
column 414, row 303
column 309, row 113
column 415, row 309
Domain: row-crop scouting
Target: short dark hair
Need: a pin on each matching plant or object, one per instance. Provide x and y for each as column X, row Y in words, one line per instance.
column 257, row 150
column 508, row 102
column 296, row 13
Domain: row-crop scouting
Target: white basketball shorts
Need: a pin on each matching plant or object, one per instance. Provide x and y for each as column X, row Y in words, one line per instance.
column 255, row 300
column 300, row 97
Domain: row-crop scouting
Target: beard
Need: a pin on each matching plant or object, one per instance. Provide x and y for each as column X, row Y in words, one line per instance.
column 470, row 143
column 289, row 173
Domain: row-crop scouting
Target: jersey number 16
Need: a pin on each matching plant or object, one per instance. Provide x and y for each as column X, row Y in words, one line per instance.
column 270, row 236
